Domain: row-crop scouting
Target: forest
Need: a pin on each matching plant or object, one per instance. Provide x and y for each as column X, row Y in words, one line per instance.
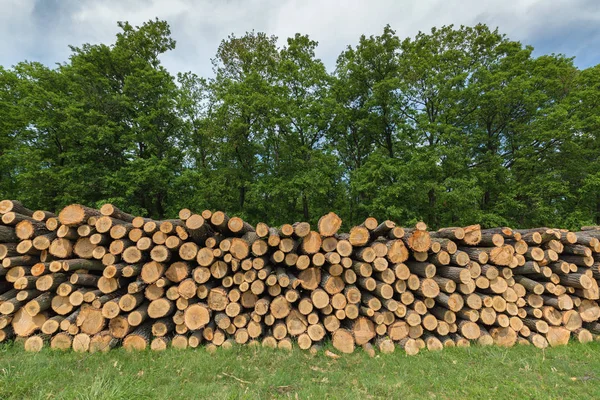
column 455, row 126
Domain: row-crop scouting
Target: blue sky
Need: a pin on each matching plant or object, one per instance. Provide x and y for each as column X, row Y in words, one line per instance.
column 41, row 30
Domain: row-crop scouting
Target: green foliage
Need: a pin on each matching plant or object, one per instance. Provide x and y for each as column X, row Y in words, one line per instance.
column 102, row 127
column 456, row 126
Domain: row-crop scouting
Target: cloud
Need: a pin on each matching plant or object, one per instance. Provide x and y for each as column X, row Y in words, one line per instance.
column 42, row 30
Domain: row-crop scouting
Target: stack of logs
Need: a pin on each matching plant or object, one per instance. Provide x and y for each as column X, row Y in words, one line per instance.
column 92, row 279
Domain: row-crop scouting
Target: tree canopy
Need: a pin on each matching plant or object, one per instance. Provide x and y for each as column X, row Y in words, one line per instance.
column 454, row 126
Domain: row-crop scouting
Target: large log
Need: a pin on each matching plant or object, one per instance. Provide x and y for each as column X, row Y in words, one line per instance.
column 76, row 214
column 329, row 224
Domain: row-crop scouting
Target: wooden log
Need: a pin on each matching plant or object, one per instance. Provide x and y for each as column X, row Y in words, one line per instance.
column 130, row 271
column 26, row 247
column 16, row 206
column 363, row 330
column 25, row 325
column 343, row 340
column 417, row 240
column 120, row 231
column 13, row 218
column 311, row 243
column 76, row 214
column 238, row 226
column 110, row 210
column 52, row 224
column 39, row 304
column 397, row 251
column 531, row 236
column 160, row 308
column 589, row 310
column 501, row 256
column 152, row 271
column 504, row 336
column 104, row 224
column 583, row 335
column 557, row 336
column 41, row 215
column 27, row 229
column 110, row 285
column 495, row 236
column 359, row 236
column 61, row 248
column 8, row 249
column 102, row 342
column 472, row 235
column 580, row 281
column 90, row 320
column 382, row 229
column 410, row 346
column 7, row 234
column 139, row 339
column 329, row 224
column 456, row 233
column 458, row 275
column 50, row 282
column 35, row 343
column 25, row 260
column 580, row 261
column 61, row 341
column 453, row 302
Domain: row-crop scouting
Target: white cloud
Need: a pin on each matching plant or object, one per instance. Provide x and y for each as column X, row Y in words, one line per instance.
column 42, row 30
column 14, row 27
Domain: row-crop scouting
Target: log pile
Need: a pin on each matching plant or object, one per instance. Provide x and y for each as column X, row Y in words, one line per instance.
column 90, row 280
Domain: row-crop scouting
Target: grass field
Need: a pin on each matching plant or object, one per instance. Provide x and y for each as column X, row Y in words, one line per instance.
column 478, row 372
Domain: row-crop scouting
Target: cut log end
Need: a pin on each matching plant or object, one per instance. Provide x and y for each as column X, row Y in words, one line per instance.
column 329, row 224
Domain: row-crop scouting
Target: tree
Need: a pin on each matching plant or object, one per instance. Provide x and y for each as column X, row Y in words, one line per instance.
column 242, row 90
column 530, row 130
column 371, row 112
column 52, row 165
column 101, row 127
column 13, row 120
column 150, row 122
column 455, row 126
column 428, row 85
column 474, row 104
column 302, row 173
column 580, row 155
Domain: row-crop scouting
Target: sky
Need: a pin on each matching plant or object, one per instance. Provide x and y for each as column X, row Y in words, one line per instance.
column 42, row 30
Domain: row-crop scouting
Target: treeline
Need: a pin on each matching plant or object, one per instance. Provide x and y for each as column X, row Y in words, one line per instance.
column 452, row 127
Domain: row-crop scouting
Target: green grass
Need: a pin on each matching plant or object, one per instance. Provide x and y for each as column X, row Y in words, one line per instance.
column 478, row 372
